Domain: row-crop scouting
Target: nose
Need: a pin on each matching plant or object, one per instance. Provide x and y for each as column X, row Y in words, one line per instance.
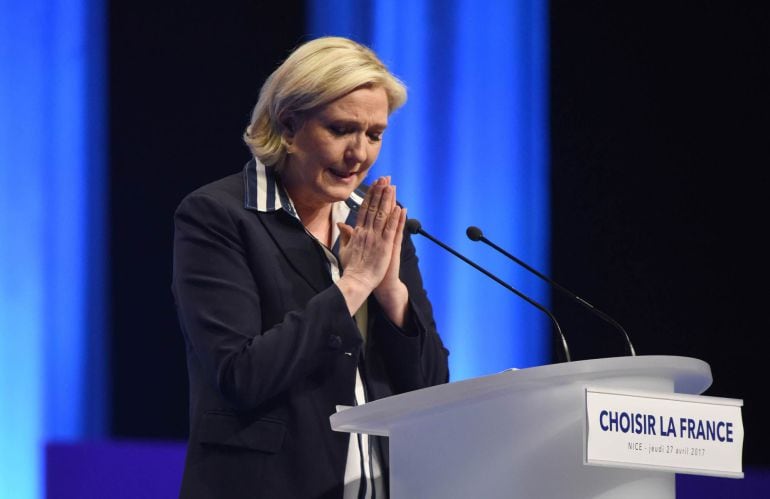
column 356, row 151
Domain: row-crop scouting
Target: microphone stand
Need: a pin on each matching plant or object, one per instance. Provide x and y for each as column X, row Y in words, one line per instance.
column 414, row 227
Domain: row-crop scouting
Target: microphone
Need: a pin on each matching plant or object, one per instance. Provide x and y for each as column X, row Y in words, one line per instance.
column 415, row 227
column 475, row 234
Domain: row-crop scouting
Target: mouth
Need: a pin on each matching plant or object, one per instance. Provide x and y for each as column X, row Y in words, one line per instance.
column 342, row 174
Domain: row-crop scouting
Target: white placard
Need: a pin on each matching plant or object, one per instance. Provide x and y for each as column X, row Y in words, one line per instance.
column 667, row 431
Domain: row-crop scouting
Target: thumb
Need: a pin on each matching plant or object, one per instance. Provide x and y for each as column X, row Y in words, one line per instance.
column 346, row 232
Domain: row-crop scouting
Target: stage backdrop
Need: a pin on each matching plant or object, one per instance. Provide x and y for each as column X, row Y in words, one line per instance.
column 52, row 315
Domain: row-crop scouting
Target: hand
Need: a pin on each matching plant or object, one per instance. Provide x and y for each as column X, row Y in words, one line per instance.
column 391, row 292
column 366, row 252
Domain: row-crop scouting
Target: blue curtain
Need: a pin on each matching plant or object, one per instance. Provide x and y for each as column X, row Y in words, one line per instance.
column 52, row 341
column 469, row 148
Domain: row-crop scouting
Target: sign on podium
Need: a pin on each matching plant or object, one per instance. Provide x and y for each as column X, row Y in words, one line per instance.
column 573, row 430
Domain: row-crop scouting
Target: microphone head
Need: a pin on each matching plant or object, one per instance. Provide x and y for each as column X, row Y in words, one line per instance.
column 413, row 226
column 474, row 233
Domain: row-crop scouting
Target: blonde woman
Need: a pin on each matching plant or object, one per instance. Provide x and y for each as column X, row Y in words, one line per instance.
column 298, row 290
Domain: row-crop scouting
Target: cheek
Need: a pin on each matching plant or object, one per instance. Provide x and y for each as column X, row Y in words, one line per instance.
column 374, row 152
column 330, row 153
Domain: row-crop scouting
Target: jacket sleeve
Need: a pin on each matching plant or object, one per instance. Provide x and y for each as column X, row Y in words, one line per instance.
column 219, row 300
column 415, row 356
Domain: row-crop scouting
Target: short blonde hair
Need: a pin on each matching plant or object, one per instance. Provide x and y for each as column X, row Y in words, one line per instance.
column 316, row 73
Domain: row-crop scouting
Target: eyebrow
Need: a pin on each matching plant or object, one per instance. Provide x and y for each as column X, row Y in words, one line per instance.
column 354, row 123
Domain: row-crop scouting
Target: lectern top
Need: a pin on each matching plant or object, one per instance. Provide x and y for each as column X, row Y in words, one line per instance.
column 688, row 375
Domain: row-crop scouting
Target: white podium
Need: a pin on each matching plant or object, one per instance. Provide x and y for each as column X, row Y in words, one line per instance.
column 516, row 434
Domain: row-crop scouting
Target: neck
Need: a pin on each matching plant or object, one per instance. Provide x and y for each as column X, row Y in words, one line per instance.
column 315, row 215
column 317, row 220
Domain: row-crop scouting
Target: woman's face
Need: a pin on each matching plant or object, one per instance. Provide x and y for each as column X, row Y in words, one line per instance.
column 334, row 147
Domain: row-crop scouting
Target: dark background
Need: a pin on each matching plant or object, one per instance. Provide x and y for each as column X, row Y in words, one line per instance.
column 658, row 147
column 658, row 143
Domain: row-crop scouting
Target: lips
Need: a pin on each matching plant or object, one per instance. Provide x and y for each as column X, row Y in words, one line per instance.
column 342, row 175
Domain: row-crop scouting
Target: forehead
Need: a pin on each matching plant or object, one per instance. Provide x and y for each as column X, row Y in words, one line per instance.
column 366, row 104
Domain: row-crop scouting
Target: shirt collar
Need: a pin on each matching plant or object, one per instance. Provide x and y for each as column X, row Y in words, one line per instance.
column 264, row 193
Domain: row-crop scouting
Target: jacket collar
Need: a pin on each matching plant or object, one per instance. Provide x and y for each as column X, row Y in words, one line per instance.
column 264, row 193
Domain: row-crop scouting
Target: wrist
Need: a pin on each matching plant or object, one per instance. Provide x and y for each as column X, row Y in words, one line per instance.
column 354, row 290
column 394, row 301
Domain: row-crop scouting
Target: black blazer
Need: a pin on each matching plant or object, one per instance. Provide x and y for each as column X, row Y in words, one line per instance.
column 272, row 349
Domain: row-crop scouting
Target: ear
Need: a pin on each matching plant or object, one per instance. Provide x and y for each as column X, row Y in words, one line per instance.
column 289, row 126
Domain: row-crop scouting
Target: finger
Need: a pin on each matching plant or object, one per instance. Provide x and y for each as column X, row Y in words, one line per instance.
column 364, row 207
column 375, row 208
column 393, row 203
column 392, row 200
column 363, row 210
column 394, row 268
column 392, row 224
column 382, row 215
column 400, row 231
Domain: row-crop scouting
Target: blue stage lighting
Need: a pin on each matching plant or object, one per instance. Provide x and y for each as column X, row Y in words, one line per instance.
column 52, row 341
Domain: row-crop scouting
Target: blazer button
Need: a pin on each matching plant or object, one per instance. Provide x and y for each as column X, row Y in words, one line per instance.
column 335, row 342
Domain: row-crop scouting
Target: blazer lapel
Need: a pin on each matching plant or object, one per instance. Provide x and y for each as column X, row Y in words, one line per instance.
column 302, row 253
column 297, row 246
column 264, row 196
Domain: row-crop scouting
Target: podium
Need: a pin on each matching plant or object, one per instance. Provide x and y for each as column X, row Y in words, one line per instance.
column 518, row 433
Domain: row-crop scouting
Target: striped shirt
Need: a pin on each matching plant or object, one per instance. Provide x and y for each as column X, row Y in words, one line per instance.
column 363, row 472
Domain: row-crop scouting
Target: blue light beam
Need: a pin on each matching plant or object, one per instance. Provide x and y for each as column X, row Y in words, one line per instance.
column 51, row 239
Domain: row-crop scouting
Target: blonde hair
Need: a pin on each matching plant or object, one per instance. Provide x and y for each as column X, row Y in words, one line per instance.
column 316, row 73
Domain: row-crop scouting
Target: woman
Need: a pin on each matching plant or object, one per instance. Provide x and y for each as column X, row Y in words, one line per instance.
column 297, row 291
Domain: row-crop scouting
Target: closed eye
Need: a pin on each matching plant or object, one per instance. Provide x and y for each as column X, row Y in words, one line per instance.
column 340, row 130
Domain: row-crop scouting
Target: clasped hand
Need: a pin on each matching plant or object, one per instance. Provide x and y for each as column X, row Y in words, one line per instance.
column 370, row 253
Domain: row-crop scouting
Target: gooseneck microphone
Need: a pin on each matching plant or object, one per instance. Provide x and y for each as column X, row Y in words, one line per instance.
column 475, row 234
column 415, row 227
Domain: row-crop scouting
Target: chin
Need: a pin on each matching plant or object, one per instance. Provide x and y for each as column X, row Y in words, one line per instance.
column 339, row 194
column 342, row 191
